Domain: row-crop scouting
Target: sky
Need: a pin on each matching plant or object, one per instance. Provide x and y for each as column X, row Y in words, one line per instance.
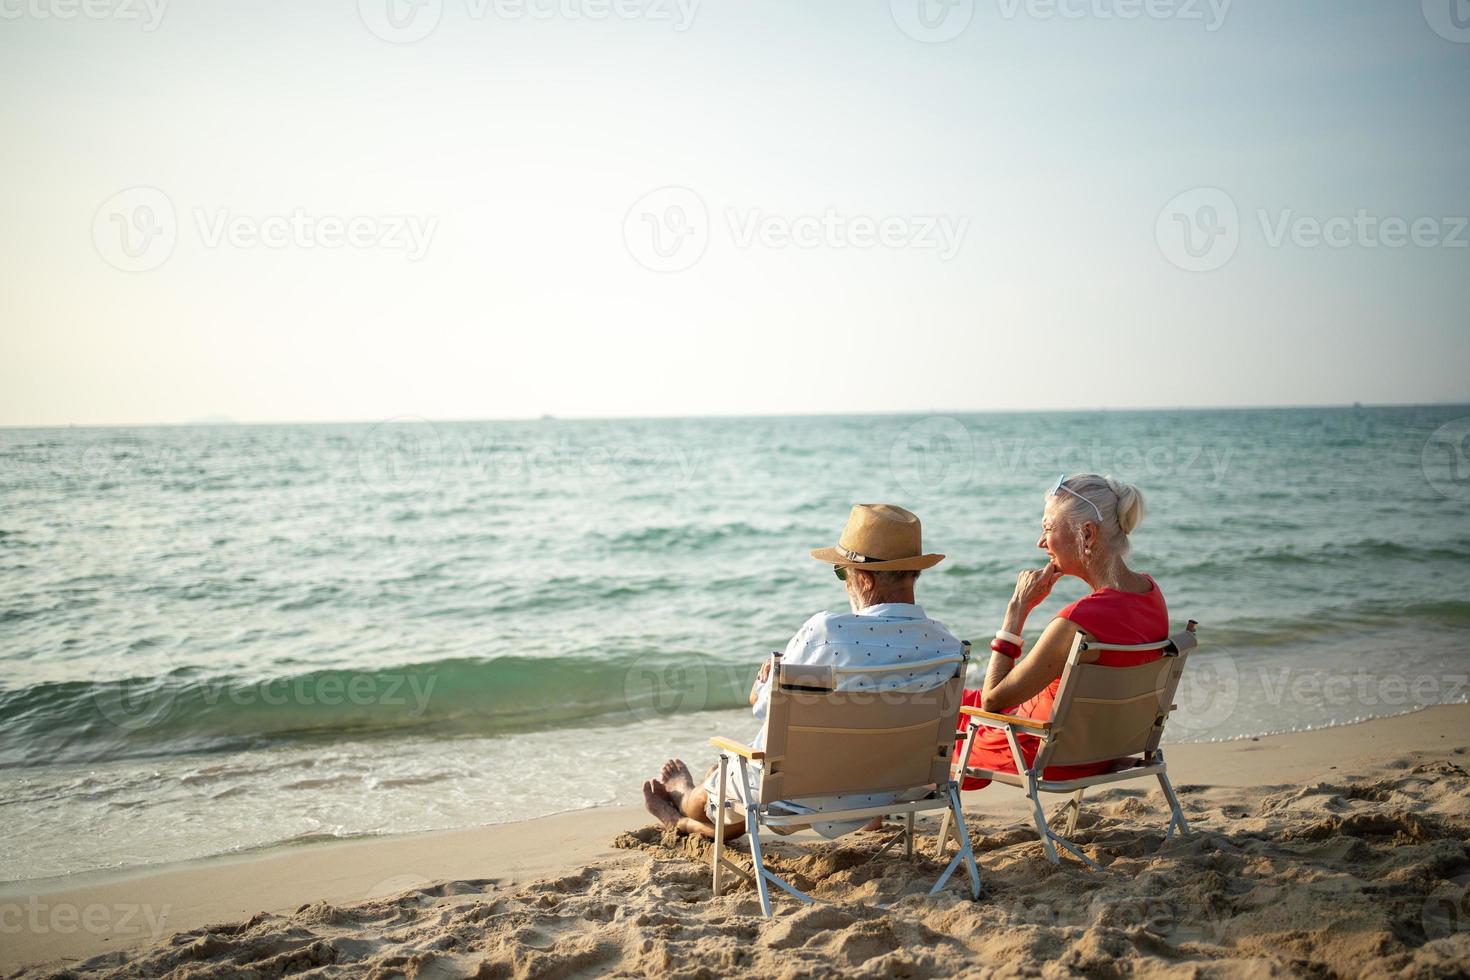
column 455, row 209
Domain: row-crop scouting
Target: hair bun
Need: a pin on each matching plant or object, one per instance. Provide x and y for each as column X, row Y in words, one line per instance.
column 1131, row 507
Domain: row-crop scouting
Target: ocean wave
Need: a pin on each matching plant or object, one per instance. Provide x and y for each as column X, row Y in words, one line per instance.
column 181, row 712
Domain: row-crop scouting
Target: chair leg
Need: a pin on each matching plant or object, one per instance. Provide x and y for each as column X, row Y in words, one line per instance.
column 1039, row 816
column 753, row 828
column 966, row 853
column 908, row 842
column 957, row 774
column 1176, row 812
column 1074, row 810
column 943, row 836
column 720, row 825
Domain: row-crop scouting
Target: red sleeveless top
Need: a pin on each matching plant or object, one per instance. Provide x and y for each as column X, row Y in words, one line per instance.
column 1108, row 616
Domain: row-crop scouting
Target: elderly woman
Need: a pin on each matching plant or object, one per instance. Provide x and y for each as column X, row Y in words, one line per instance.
column 1084, row 532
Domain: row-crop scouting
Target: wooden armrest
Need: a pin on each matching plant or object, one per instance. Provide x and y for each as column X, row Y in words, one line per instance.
column 990, row 716
column 730, row 745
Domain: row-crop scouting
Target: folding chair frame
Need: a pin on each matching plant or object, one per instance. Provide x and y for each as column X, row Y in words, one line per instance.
column 764, row 805
column 758, row 815
column 1150, row 763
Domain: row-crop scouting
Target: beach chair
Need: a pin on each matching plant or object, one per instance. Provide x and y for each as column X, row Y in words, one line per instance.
column 1100, row 714
column 821, row 741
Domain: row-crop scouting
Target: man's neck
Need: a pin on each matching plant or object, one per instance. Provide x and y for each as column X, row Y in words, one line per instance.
column 883, row 598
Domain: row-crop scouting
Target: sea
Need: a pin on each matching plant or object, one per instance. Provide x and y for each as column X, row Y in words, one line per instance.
column 218, row 639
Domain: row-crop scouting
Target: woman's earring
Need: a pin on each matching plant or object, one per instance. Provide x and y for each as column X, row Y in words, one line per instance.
column 1087, row 551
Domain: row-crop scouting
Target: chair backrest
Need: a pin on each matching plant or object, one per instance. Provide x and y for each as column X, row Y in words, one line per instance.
column 821, row 741
column 1103, row 713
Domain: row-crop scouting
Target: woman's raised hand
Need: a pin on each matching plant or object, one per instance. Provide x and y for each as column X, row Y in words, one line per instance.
column 1033, row 585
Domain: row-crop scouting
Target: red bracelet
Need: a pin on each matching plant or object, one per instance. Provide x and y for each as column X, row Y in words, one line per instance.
column 1006, row 648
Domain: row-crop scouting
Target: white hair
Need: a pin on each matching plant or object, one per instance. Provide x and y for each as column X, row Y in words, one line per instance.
column 1119, row 504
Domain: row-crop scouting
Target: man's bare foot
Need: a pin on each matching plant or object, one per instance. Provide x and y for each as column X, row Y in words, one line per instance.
column 676, row 777
column 875, row 824
column 656, row 800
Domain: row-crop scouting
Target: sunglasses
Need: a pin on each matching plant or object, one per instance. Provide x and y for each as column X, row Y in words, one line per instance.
column 1058, row 487
column 841, row 573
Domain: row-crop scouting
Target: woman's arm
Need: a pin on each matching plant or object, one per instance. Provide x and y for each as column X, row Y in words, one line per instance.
column 1009, row 683
column 1008, row 677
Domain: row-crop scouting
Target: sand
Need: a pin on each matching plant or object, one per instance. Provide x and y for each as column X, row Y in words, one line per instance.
column 1340, row 852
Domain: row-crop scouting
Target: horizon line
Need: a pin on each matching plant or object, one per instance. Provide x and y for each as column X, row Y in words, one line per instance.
column 225, row 421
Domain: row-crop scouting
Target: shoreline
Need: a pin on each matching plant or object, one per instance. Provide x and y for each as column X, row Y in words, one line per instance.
column 58, row 921
column 103, row 875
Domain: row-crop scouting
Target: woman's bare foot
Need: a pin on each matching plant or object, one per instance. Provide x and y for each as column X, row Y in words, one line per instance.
column 656, row 800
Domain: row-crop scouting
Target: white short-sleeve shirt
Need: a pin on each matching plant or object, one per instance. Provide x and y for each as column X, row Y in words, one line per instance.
column 880, row 636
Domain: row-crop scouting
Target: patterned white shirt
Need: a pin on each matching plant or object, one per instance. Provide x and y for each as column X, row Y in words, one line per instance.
column 880, row 636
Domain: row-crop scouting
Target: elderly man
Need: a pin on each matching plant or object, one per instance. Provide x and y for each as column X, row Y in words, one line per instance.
column 878, row 558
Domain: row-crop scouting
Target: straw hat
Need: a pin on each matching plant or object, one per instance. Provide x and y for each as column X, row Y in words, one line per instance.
column 879, row 538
